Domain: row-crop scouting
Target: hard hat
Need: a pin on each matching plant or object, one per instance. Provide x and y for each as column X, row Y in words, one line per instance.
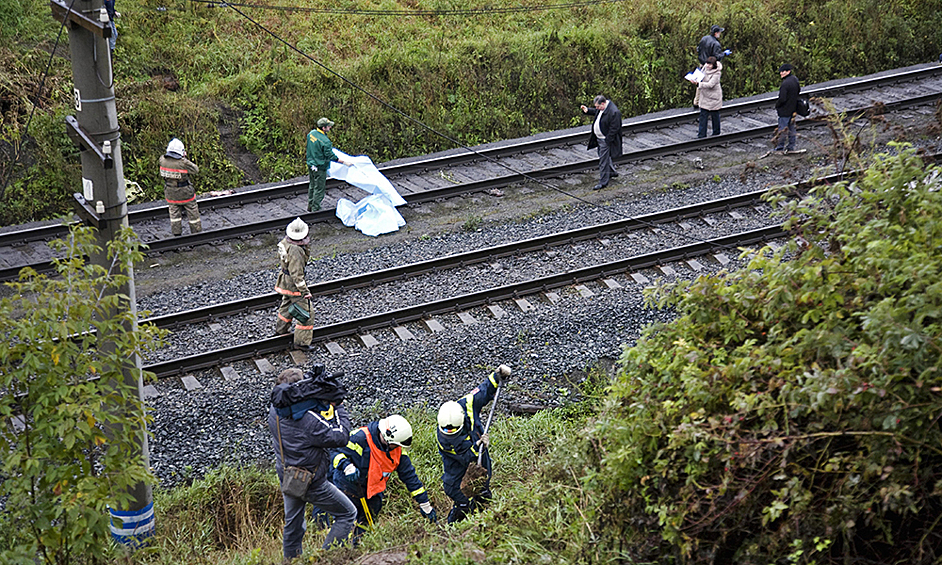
column 396, row 430
column 176, row 146
column 297, row 230
column 450, row 417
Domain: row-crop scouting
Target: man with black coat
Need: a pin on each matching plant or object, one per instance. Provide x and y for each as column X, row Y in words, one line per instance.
column 306, row 419
column 709, row 46
column 606, row 136
column 786, row 107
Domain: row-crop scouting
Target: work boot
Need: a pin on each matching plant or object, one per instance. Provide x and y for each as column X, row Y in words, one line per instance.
column 306, row 348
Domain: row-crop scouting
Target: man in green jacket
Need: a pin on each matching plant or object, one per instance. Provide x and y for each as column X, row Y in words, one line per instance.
column 320, row 152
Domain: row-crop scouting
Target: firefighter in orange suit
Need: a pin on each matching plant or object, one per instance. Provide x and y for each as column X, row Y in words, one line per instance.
column 175, row 170
column 293, row 255
column 362, row 468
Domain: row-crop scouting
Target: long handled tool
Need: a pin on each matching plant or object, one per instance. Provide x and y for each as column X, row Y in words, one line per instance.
column 475, row 477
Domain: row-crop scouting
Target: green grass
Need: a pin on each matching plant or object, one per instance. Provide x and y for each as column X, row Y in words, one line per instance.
column 234, row 516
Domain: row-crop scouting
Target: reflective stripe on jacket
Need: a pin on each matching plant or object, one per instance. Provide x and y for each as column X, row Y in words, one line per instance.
column 359, row 451
column 292, row 258
column 175, row 173
column 460, row 449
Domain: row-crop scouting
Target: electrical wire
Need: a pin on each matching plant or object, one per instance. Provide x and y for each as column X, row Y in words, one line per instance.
column 456, row 142
column 29, row 120
column 400, row 13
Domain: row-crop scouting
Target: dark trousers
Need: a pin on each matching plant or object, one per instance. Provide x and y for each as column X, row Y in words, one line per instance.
column 606, row 167
column 711, row 114
column 460, row 511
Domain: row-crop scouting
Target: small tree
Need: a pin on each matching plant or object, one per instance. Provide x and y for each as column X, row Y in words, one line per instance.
column 70, row 425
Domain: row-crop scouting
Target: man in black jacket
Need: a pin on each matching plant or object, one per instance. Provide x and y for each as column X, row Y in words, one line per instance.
column 606, row 135
column 306, row 419
column 786, row 106
column 709, row 46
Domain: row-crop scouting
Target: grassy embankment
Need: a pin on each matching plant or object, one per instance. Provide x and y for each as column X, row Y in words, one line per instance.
column 188, row 70
column 235, row 516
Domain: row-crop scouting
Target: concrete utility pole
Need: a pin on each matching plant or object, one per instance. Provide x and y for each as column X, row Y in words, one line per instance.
column 102, row 201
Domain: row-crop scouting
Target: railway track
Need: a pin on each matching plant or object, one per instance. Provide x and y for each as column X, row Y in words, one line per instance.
column 461, row 303
column 266, row 208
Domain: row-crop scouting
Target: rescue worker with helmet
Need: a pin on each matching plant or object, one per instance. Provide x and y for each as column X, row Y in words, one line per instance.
column 363, row 467
column 461, row 438
column 175, row 170
column 293, row 254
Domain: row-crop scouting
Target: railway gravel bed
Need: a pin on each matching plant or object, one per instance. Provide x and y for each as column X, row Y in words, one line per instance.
column 549, row 347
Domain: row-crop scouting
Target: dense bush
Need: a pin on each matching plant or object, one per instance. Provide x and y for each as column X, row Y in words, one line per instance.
column 791, row 412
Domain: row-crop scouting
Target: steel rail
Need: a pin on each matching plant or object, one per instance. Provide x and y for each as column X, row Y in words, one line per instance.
column 233, row 307
column 245, row 230
column 294, row 187
column 464, row 302
column 373, row 278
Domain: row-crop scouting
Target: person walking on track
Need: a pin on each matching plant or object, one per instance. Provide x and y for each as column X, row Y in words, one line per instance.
column 364, row 465
column 462, row 440
column 293, row 255
column 176, row 169
column 320, row 152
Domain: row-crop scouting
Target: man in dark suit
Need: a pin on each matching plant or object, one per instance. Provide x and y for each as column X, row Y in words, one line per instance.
column 606, row 135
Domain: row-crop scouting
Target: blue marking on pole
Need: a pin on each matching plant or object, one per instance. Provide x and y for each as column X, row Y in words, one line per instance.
column 132, row 527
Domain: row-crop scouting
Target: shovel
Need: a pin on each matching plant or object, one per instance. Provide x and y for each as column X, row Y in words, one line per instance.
column 475, row 478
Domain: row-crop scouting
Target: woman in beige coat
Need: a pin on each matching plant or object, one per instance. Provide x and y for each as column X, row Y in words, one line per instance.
column 710, row 96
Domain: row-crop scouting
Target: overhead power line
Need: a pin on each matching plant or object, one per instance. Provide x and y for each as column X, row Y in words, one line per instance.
column 400, row 13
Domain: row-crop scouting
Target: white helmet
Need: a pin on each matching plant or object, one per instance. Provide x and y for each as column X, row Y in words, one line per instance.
column 176, row 146
column 396, row 430
column 297, row 230
column 450, row 418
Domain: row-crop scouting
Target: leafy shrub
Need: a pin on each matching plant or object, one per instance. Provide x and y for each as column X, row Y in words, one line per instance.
column 791, row 412
column 73, row 449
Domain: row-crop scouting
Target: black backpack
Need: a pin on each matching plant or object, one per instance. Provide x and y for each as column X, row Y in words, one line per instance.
column 802, row 107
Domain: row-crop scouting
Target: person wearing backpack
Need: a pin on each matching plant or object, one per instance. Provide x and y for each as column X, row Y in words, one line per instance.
column 786, row 107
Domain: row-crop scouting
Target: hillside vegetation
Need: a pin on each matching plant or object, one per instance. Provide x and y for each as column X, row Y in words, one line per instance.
column 789, row 414
column 399, row 85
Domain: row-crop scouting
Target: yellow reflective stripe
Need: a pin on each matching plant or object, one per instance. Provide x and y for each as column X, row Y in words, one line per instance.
column 337, row 459
column 492, row 378
column 355, row 447
column 469, row 408
column 445, row 449
column 417, row 492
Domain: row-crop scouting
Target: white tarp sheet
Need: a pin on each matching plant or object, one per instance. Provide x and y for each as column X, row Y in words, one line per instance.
column 376, row 214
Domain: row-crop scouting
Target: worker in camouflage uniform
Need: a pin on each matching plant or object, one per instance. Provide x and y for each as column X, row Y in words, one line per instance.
column 364, row 465
column 320, row 152
column 293, row 254
column 176, row 169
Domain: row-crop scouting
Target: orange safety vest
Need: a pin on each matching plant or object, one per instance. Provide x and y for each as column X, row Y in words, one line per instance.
column 380, row 467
